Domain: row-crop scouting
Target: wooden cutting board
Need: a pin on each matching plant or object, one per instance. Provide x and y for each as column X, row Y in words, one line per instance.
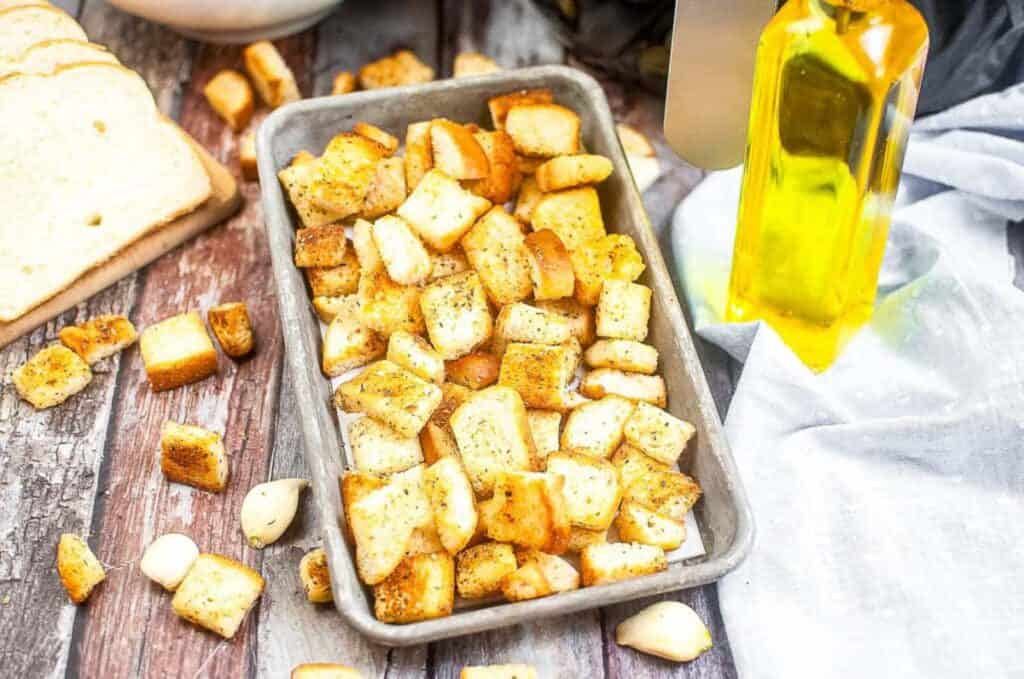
column 224, row 201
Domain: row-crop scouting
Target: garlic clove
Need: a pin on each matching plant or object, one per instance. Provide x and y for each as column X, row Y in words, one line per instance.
column 268, row 510
column 168, row 559
column 667, row 629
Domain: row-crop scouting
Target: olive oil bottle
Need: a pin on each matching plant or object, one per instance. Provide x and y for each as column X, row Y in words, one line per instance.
column 835, row 88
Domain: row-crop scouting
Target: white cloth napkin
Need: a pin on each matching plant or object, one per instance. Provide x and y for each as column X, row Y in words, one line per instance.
column 888, row 492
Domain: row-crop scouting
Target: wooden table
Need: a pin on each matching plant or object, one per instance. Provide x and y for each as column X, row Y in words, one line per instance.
column 91, row 465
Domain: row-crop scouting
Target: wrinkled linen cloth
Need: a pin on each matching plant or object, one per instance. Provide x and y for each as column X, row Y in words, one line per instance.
column 888, row 491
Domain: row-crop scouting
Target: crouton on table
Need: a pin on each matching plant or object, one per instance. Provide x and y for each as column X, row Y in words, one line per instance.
column 315, row 576
column 401, row 68
column 271, row 76
column 217, row 593
column 230, row 95
column 52, row 376
column 99, row 337
column 177, row 351
column 193, row 456
column 79, row 569
column 232, row 328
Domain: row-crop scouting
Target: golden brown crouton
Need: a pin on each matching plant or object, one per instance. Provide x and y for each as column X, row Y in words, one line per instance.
column 453, row 504
column 456, row 314
column 419, row 156
column 321, row 670
column 543, row 129
column 474, row 63
column 526, row 202
column 343, row 83
column 374, row 133
column 391, row 394
column 480, row 570
column 52, row 376
column 527, row 582
column 520, row 322
column 247, row 164
column 230, row 96
column 633, row 386
column 626, row 355
column 367, row 255
column 415, row 354
column 348, row 343
column 379, row 449
column 668, row 493
column 452, row 396
column 193, row 456
column 327, row 307
column 574, row 215
column 405, row 258
column 558, row 572
column 501, row 105
column 595, row 428
column 387, row 189
column 217, row 593
column 600, row 564
column 550, row 266
column 623, row 310
column 421, row 588
column 320, row 246
column 657, row 433
column 177, row 351
column 529, row 510
column 354, row 486
column 540, row 373
column 475, row 371
column 633, row 141
column 334, row 281
column 544, row 426
column 447, row 263
column 270, row 74
column 386, row 306
column 495, row 247
column 437, row 443
column 632, row 464
column 613, row 257
column 636, row 523
column 581, row 538
column 591, row 488
column 342, row 176
column 498, row 672
column 99, row 337
column 401, row 68
column 580, row 317
column 456, row 151
column 298, row 181
column 315, row 576
column 232, row 328
column 79, row 569
column 566, row 172
column 503, row 177
column 440, row 210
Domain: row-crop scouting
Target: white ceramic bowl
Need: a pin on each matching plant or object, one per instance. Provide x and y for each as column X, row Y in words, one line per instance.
column 231, row 21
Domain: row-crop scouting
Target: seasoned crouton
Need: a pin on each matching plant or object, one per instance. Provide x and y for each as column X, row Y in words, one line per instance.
column 637, row 523
column 574, row 215
column 493, row 435
column 177, row 351
column 379, row 449
column 540, row 373
column 544, row 426
column 526, row 202
column 480, row 570
column 528, row 165
column 456, row 151
column 217, row 593
column 354, row 486
column 315, row 576
column 415, row 354
column 591, row 488
column 232, row 328
column 623, row 310
column 247, row 164
column 99, row 337
column 321, row 246
column 580, row 317
column 419, row 156
column 374, row 133
column 668, row 493
column 321, row 670
column 632, row 464
column 440, row 210
column 550, row 266
column 327, row 307
column 270, row 74
column 606, row 382
column 520, row 322
column 581, row 538
column 425, row 540
column 338, row 280
column 503, row 177
column 601, row 564
column 657, row 433
column 344, row 82
column 437, row 442
column 298, row 181
column 475, row 371
column 193, row 456
column 566, row 172
column 501, row 105
column 406, row 260
column 347, row 343
column 80, row 571
column 447, row 263
column 499, row 672
column 387, row 189
column 543, row 129
column 529, row 510
column 230, row 97
column 388, row 307
column 391, row 394
column 558, row 572
column 343, row 174
column 626, row 355
column 453, row 504
column 613, row 257
column 421, row 588
column 633, row 141
column 595, row 428
column 527, row 582
column 401, row 68
column 456, row 314
column 473, row 63
column 365, row 249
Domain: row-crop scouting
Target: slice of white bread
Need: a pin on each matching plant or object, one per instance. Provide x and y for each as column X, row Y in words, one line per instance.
column 47, row 56
column 80, row 182
column 21, row 27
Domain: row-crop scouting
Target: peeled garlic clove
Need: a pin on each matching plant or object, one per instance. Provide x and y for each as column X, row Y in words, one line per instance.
column 268, row 510
column 667, row 629
column 168, row 559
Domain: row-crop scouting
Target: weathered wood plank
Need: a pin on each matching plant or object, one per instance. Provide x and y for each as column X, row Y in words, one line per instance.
column 512, row 32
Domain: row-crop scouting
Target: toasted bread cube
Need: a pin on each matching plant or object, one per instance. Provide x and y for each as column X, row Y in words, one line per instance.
column 606, row 382
column 526, row 202
column 298, row 180
column 247, row 164
column 347, row 343
column 343, row 174
column 316, row 577
column 217, row 593
column 321, row 246
column 544, row 426
column 631, row 464
column 528, row 510
column 387, row 189
column 558, row 572
column 344, row 82
column 633, row 141
column 440, row 210
column 456, row 314
column 637, row 523
column 401, row 68
column 543, row 130
column 493, row 435
column 99, row 337
column 591, row 490
column 419, row 155
column 270, row 74
column 498, row 672
column 527, row 582
column 379, row 449
column 581, row 538
column 451, row 497
column 474, row 371
column 437, row 443
column 520, row 322
column 421, row 588
column 447, row 264
column 456, row 151
column 601, row 564
column 388, row 307
column 425, row 540
column 230, row 97
column 80, row 571
column 321, row 670
column 452, row 396
column 540, row 373
column 365, row 249
column 613, row 257
column 657, row 433
column 415, row 354
column 550, row 266
column 193, row 456
column 566, row 172
column 580, row 317
column 327, row 307
column 623, row 310
column 232, row 328
column 625, row 355
column 501, row 105
column 595, row 428
column 574, row 215
column 374, row 133
column 474, row 63
column 406, row 260
column 177, row 351
column 354, row 486
column 528, row 166
column 503, row 176
column 391, row 394
column 480, row 570
column 334, row 281
column 668, row 493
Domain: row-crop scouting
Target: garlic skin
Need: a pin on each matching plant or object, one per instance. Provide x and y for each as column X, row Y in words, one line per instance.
column 667, row 629
column 268, row 510
column 168, row 559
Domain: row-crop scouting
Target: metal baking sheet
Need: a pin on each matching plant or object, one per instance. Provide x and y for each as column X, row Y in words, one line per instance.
column 722, row 516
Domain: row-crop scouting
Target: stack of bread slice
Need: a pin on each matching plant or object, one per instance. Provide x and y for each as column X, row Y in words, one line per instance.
column 88, row 165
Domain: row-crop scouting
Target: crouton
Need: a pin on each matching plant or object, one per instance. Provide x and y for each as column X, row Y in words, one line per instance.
column 387, row 189
column 540, row 373
column 453, row 504
column 447, row 263
column 475, row 371
column 379, row 449
column 625, row 355
column 558, row 572
column 343, row 174
column 374, row 133
column 595, row 428
column 529, row 510
column 657, row 433
column 406, row 260
column 580, row 317
column 298, row 180
column 613, row 257
column 636, row 523
column 391, row 394
column 574, row 215
column 437, row 442
column 321, row 670
column 364, row 247
column 601, row 564
column 498, row 672
column 327, row 307
column 456, row 151
column 344, row 82
column 550, row 266
column 217, row 593
column 606, row 382
column 415, row 354
column 452, row 396
column 623, row 310
column 388, row 307
column 591, row 488
column 193, row 456
column 421, row 588
column 581, row 538
column 480, row 570
column 230, row 96
column 500, row 106
column 79, row 569
column 401, row 68
column 440, row 210
column 526, row 202
column 302, row 157
column 315, row 576
column 99, row 337
column 320, row 246
column 503, row 176
column 493, row 435
column 544, row 426
column 177, row 351
column 527, row 582
column 456, row 314
column 543, row 129
column 668, row 493
column 528, row 166
column 473, row 63
column 333, row 281
column 425, row 540
column 232, row 328
column 632, row 464
column 633, row 141
column 520, row 322
column 247, row 164
column 349, row 344
column 354, row 486
column 270, row 74
column 419, row 156
column 567, row 172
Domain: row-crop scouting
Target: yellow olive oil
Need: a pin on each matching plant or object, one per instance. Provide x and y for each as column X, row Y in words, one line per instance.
column 835, row 88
